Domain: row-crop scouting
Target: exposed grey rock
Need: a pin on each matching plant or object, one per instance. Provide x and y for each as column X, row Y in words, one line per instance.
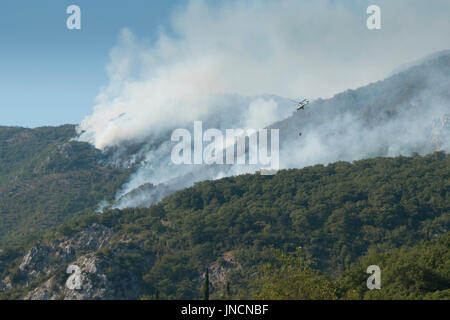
column 219, row 271
column 94, row 283
column 5, row 284
column 48, row 264
column 43, row 259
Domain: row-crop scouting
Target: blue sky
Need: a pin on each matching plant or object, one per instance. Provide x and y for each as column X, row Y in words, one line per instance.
column 50, row 75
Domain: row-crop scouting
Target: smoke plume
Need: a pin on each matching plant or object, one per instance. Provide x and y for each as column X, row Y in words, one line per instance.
column 230, row 63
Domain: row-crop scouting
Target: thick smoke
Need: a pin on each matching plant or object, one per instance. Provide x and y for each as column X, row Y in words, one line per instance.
column 219, row 62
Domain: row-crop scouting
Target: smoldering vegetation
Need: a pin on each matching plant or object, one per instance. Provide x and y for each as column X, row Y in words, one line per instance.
column 387, row 118
column 240, row 80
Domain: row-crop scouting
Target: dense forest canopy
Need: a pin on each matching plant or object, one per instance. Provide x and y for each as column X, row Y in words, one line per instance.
column 47, row 179
column 336, row 213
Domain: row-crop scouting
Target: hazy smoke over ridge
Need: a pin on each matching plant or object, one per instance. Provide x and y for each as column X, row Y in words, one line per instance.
column 224, row 54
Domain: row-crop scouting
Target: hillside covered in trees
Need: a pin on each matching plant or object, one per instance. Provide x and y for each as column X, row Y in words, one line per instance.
column 47, row 179
column 420, row 272
column 393, row 212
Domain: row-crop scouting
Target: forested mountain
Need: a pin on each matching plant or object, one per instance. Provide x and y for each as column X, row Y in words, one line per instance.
column 406, row 113
column 47, row 179
column 337, row 214
column 320, row 225
column 420, row 272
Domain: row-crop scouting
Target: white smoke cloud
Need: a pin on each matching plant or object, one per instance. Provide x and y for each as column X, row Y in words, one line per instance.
column 261, row 113
column 288, row 48
column 249, row 48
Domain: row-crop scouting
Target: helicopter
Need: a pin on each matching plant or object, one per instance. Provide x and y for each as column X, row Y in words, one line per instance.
column 301, row 104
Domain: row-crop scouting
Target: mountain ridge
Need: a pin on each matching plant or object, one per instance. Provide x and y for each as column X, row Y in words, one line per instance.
column 336, row 213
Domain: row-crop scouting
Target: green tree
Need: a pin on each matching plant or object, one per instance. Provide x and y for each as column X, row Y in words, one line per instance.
column 206, row 286
column 292, row 277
